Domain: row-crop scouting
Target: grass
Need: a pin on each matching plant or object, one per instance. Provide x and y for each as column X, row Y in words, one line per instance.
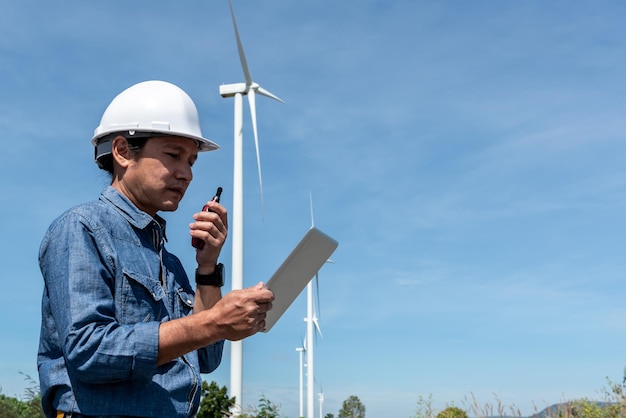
column 611, row 405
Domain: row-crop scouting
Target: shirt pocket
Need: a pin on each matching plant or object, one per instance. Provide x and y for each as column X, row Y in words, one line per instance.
column 143, row 299
column 184, row 303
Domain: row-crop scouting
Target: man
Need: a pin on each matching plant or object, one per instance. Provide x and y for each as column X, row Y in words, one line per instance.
column 123, row 333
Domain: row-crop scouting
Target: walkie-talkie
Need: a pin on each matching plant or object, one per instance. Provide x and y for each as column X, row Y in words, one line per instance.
column 196, row 242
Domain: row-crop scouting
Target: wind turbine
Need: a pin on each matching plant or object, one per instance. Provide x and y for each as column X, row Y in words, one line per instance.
column 311, row 321
column 301, row 350
column 238, row 90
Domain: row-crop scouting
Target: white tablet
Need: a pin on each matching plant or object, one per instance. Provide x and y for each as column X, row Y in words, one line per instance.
column 297, row 270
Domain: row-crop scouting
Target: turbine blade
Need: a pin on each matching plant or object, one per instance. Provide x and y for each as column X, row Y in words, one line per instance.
column 252, row 103
column 266, row 93
column 242, row 55
column 311, row 204
column 315, row 311
column 317, row 291
column 317, row 327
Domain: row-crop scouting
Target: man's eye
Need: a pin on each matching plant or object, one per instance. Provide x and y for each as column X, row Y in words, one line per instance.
column 173, row 155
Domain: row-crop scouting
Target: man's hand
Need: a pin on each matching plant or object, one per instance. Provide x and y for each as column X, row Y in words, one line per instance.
column 212, row 228
column 241, row 313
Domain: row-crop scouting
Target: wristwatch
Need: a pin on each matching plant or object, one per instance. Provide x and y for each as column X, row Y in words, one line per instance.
column 214, row 279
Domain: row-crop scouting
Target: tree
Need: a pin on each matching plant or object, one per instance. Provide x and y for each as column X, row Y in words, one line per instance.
column 329, row 416
column 14, row 408
column 266, row 409
column 215, row 401
column 352, row 408
column 28, row 407
column 452, row 412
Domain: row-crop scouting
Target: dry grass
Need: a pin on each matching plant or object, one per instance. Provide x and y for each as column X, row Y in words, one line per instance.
column 612, row 404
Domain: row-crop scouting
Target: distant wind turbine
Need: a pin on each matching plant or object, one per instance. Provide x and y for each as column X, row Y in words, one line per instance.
column 300, row 350
column 238, row 90
column 321, row 399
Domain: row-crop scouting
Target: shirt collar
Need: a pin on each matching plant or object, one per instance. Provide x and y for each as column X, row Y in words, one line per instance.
column 134, row 215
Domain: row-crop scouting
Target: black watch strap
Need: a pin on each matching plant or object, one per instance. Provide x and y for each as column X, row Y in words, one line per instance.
column 214, row 279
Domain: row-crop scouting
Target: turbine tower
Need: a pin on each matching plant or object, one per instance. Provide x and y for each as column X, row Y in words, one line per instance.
column 238, row 90
column 311, row 321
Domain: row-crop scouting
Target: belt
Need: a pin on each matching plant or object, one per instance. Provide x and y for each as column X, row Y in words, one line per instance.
column 61, row 414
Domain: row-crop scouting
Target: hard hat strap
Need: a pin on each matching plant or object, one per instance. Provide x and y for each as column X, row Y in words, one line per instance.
column 103, row 148
column 105, row 144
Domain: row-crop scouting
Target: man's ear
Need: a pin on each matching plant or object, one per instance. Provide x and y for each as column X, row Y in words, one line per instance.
column 120, row 151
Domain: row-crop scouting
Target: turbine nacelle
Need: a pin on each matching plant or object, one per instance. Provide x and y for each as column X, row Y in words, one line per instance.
column 229, row 90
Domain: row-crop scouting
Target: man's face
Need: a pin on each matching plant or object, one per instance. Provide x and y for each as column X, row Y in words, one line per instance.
column 158, row 175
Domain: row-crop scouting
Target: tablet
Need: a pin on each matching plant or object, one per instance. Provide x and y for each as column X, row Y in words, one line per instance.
column 296, row 271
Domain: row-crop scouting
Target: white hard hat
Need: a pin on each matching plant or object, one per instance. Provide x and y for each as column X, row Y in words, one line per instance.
column 149, row 107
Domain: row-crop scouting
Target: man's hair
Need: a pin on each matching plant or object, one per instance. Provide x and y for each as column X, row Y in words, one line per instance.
column 135, row 144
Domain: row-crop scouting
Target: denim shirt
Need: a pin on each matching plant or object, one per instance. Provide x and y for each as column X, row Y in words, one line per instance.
column 106, row 293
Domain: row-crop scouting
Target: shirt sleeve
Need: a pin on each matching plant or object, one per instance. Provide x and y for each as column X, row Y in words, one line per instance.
column 210, row 357
column 81, row 286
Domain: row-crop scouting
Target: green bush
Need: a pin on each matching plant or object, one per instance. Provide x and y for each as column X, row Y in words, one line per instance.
column 452, row 412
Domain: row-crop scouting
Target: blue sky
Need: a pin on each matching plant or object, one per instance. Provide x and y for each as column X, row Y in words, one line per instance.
column 468, row 157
